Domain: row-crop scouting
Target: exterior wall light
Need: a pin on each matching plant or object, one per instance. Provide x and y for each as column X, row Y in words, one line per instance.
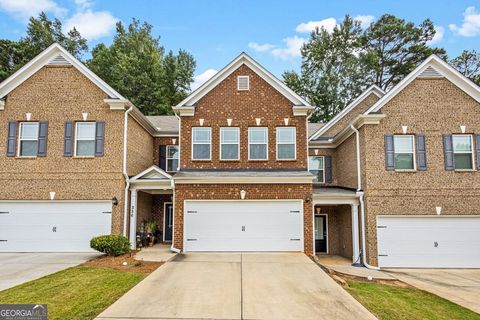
column 114, row 201
column 308, row 197
column 438, row 210
column 243, row 193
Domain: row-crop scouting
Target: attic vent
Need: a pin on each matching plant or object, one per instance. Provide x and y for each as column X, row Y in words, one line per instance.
column 243, row 83
column 430, row 72
column 59, row 61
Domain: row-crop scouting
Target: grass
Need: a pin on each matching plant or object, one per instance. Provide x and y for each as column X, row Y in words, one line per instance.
column 393, row 302
column 77, row 293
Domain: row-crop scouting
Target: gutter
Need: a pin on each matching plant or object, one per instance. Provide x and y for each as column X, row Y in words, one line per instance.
column 172, row 248
column 124, row 170
column 362, row 203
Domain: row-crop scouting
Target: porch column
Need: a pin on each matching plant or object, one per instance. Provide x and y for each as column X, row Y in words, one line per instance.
column 355, row 234
column 133, row 218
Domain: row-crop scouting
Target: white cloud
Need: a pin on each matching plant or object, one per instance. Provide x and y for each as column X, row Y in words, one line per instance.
column 291, row 49
column 24, row 9
column 83, row 4
column 306, row 27
column 92, row 24
column 471, row 24
column 365, row 20
column 261, row 47
column 202, row 77
column 438, row 37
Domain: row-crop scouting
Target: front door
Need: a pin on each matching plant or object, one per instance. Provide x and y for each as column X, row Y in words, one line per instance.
column 167, row 222
column 321, row 234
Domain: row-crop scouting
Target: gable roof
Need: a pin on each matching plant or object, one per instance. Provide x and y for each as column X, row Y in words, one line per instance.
column 151, row 173
column 373, row 89
column 165, row 124
column 242, row 59
column 432, row 67
column 55, row 55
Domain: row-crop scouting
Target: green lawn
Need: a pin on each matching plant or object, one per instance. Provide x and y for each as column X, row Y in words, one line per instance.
column 393, row 302
column 76, row 293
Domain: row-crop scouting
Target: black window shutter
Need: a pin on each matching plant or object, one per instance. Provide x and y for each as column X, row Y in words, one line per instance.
column 421, row 152
column 162, row 157
column 99, row 139
column 448, row 152
column 328, row 169
column 42, row 138
column 68, row 139
column 477, row 148
column 12, row 138
column 389, row 152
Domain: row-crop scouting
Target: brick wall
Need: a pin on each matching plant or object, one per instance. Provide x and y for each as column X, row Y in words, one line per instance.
column 157, row 142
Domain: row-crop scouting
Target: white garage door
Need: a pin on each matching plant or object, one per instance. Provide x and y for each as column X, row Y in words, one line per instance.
column 52, row 226
column 243, row 225
column 429, row 242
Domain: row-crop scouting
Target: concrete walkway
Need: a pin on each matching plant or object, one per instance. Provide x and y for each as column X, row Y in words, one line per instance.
column 342, row 265
column 17, row 268
column 461, row 286
column 158, row 253
column 237, row 286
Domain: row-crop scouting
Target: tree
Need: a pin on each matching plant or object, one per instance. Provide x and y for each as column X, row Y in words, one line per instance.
column 332, row 74
column 135, row 65
column 41, row 33
column 392, row 48
column 468, row 64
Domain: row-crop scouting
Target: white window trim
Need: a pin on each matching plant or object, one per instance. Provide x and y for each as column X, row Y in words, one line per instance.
column 238, row 143
column 210, row 144
column 323, row 168
column 294, row 143
column 19, row 140
column 238, row 83
column 472, row 151
column 168, row 158
column 76, row 139
column 414, row 152
column 266, row 144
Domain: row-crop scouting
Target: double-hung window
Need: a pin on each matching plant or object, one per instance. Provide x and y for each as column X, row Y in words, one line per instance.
column 257, row 143
column 28, row 139
column 316, row 166
column 172, row 158
column 462, row 151
column 404, row 148
column 85, row 139
column 229, row 143
column 201, row 143
column 286, row 143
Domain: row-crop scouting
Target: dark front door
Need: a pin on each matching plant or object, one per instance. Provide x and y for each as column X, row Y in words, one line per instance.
column 167, row 221
column 321, row 234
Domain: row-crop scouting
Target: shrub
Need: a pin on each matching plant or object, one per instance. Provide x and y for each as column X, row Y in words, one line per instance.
column 111, row 245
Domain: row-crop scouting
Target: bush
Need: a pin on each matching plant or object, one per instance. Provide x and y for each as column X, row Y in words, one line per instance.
column 112, row 245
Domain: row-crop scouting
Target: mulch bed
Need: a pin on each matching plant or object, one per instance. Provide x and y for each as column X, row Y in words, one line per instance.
column 117, row 263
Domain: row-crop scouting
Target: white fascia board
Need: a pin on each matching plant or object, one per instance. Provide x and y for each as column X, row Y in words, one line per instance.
column 2, row 104
column 302, row 110
column 243, row 58
column 443, row 68
column 184, row 111
column 246, row 180
column 373, row 89
column 151, row 169
column 44, row 58
column 117, row 104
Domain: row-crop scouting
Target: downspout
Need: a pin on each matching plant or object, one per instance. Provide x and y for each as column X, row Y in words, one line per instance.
column 124, row 170
column 362, row 203
column 172, row 248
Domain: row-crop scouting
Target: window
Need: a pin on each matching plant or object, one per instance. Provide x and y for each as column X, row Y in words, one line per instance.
column 85, row 139
column 404, row 152
column 286, row 143
column 229, row 144
column 28, row 139
column 243, row 83
column 462, row 151
column 257, row 143
column 316, row 166
column 201, row 143
column 172, row 158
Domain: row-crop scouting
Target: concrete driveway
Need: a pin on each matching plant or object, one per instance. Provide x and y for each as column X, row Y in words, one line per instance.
column 17, row 268
column 237, row 286
column 461, row 286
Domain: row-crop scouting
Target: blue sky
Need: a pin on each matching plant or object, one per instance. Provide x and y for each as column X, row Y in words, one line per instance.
column 216, row 31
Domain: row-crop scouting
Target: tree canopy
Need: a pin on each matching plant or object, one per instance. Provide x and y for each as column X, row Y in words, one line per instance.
column 468, row 63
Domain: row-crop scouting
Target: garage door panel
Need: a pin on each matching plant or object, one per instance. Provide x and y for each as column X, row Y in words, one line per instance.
column 243, row 226
column 429, row 242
